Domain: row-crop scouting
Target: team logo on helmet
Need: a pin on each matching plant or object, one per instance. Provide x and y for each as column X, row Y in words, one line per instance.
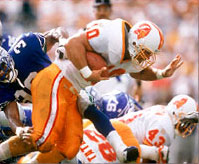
column 180, row 103
column 142, row 31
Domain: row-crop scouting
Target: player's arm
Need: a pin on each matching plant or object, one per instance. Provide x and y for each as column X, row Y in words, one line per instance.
column 150, row 73
column 76, row 48
column 12, row 114
column 55, row 35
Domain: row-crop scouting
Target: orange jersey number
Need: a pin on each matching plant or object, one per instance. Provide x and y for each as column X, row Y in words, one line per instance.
column 104, row 147
column 92, row 33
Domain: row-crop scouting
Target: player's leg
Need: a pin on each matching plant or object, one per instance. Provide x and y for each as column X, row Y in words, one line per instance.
column 55, row 105
column 104, row 126
column 45, row 111
column 127, row 137
column 69, row 122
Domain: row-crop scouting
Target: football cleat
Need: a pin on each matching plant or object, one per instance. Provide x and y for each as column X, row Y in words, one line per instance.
column 130, row 154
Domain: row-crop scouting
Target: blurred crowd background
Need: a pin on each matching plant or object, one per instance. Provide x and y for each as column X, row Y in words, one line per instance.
column 178, row 20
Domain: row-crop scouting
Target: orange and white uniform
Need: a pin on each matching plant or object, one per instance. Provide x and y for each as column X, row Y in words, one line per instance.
column 110, row 39
column 94, row 149
column 152, row 126
column 55, row 117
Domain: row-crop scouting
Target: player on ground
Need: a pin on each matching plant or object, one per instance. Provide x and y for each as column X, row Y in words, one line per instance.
column 154, row 128
column 157, row 125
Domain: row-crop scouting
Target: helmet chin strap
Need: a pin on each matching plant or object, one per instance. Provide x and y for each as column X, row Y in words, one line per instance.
column 13, row 75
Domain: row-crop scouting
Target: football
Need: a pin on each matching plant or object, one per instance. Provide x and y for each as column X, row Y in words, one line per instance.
column 96, row 62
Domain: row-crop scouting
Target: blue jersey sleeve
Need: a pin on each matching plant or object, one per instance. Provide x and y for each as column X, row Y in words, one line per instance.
column 7, row 41
column 28, row 54
column 6, row 95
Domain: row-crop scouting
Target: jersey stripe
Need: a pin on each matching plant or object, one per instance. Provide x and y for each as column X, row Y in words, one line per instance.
column 53, row 111
column 161, row 36
column 123, row 41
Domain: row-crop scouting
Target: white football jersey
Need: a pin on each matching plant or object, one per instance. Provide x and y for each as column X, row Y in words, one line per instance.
column 95, row 148
column 151, row 126
column 72, row 74
column 110, row 39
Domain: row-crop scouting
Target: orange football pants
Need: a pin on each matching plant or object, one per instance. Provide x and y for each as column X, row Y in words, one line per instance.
column 55, row 116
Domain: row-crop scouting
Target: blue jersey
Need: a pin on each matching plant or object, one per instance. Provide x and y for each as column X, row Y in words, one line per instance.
column 29, row 57
column 7, row 41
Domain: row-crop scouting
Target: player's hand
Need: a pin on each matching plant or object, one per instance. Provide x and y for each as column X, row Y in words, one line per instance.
column 60, row 33
column 27, row 138
column 172, row 66
column 56, row 34
column 163, row 153
column 96, row 75
column 20, row 131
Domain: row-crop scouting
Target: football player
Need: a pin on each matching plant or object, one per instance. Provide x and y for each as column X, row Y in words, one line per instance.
column 154, row 128
column 115, row 103
column 126, row 49
column 103, row 10
column 6, row 41
column 106, row 153
column 20, row 88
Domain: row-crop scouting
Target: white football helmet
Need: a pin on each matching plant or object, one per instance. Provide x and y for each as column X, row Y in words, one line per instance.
column 184, row 112
column 144, row 39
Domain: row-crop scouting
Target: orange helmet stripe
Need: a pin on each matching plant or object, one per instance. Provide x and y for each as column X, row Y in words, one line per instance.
column 161, row 36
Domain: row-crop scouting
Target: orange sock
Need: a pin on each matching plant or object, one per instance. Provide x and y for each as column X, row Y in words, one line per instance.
column 127, row 136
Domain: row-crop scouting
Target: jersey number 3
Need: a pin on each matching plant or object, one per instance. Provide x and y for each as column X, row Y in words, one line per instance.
column 20, row 44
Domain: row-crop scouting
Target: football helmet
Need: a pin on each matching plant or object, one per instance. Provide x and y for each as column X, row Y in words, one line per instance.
column 145, row 39
column 184, row 112
column 117, row 103
column 7, row 72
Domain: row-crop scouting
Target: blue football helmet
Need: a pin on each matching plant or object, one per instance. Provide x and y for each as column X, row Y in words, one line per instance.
column 8, row 73
column 117, row 104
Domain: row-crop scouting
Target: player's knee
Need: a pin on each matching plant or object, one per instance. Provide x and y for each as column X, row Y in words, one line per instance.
column 71, row 151
column 46, row 147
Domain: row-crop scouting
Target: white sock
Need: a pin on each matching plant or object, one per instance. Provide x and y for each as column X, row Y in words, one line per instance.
column 116, row 142
column 4, row 151
column 149, row 152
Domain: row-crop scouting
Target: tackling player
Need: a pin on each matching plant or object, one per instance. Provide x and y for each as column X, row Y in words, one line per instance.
column 155, row 135
column 20, row 87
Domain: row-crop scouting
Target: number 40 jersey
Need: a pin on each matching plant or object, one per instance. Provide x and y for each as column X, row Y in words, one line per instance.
column 28, row 53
